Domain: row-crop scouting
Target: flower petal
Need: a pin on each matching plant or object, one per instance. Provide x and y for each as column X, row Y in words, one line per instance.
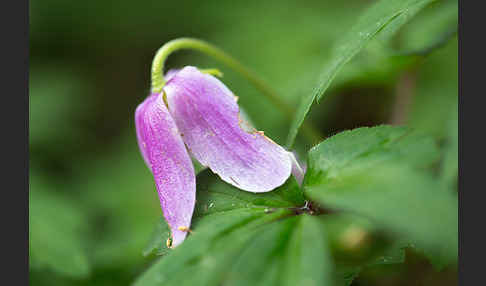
column 139, row 117
column 297, row 170
column 170, row 73
column 207, row 115
column 165, row 154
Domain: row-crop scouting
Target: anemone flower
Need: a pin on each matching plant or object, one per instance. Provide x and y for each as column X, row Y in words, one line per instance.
column 196, row 114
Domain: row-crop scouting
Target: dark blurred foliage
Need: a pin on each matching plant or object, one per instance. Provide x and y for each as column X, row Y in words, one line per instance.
column 93, row 203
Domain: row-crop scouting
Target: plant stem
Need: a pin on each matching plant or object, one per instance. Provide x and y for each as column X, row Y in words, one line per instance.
column 163, row 53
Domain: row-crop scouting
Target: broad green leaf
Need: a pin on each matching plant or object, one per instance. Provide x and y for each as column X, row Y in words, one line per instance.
column 268, row 249
column 56, row 230
column 216, row 265
column 272, row 274
column 364, row 148
column 400, row 200
column 378, row 173
column 216, row 238
column 217, row 204
column 239, row 238
column 372, row 172
column 294, row 251
column 214, row 196
column 386, row 15
column 308, row 260
column 264, row 249
column 232, row 227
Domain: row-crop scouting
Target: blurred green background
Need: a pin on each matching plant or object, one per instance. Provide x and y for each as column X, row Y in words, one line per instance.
column 92, row 201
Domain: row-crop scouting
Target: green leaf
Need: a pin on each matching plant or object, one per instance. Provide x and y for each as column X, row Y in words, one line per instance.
column 215, row 238
column 401, row 201
column 213, row 195
column 256, row 250
column 56, row 229
column 385, row 15
column 378, row 173
column 264, row 249
column 217, row 264
column 308, row 260
column 241, row 238
column 198, row 167
column 289, row 252
column 366, row 147
column 156, row 244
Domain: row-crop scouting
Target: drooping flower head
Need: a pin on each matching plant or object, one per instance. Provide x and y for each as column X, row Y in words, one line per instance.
column 196, row 114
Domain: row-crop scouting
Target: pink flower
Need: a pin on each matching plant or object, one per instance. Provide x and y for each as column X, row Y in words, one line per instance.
column 198, row 111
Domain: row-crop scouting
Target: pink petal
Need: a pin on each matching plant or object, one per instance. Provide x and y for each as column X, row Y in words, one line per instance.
column 165, row 154
column 139, row 117
column 207, row 115
column 297, row 170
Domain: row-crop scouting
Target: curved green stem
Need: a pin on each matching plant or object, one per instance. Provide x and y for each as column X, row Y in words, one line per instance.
column 163, row 53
